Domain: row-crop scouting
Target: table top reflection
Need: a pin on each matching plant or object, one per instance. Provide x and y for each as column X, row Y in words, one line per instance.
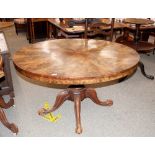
column 76, row 61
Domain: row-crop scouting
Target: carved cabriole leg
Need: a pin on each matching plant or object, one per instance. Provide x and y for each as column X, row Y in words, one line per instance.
column 10, row 126
column 6, row 105
column 91, row 93
column 77, row 95
column 141, row 65
column 61, row 97
column 77, row 109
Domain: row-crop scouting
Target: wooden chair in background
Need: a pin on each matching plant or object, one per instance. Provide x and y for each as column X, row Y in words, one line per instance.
column 32, row 29
column 6, row 85
column 70, row 23
column 103, row 29
column 20, row 25
column 3, row 119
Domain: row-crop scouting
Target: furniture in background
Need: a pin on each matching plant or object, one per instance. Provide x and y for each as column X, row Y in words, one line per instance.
column 37, row 28
column 6, row 85
column 77, row 63
column 77, row 31
column 153, row 35
column 61, row 28
column 136, row 43
column 73, row 24
column 3, row 118
column 102, row 28
column 6, row 19
column 42, row 28
column 20, row 25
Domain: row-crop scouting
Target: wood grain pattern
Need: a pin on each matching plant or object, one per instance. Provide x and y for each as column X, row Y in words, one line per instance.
column 76, row 61
column 140, row 21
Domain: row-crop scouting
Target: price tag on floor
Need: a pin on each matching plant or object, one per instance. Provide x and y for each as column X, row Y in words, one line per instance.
column 50, row 117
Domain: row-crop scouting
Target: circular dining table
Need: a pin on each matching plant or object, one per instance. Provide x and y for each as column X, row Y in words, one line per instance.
column 138, row 22
column 138, row 45
column 76, row 63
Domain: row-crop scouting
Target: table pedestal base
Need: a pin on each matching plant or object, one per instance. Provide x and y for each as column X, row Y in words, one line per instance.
column 76, row 94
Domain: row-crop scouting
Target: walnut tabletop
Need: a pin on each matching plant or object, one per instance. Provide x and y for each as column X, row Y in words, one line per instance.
column 76, row 61
column 139, row 21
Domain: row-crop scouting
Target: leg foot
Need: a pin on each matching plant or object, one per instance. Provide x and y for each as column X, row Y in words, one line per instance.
column 6, row 105
column 10, row 126
column 91, row 93
column 14, row 105
column 78, row 130
column 141, row 65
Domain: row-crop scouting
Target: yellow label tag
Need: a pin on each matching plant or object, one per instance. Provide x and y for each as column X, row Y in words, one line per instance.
column 50, row 117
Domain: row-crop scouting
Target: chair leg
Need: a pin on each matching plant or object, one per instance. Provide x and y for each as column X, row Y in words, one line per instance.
column 5, row 122
column 16, row 27
column 154, row 48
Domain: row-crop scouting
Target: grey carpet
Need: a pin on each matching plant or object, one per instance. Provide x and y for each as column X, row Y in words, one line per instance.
column 133, row 112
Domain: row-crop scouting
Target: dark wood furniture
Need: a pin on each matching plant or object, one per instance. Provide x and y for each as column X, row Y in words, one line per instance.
column 138, row 22
column 53, row 29
column 61, row 29
column 76, row 63
column 6, row 85
column 37, row 28
column 137, row 44
column 57, row 28
column 102, row 29
column 6, row 19
column 20, row 25
column 77, row 31
column 3, row 119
